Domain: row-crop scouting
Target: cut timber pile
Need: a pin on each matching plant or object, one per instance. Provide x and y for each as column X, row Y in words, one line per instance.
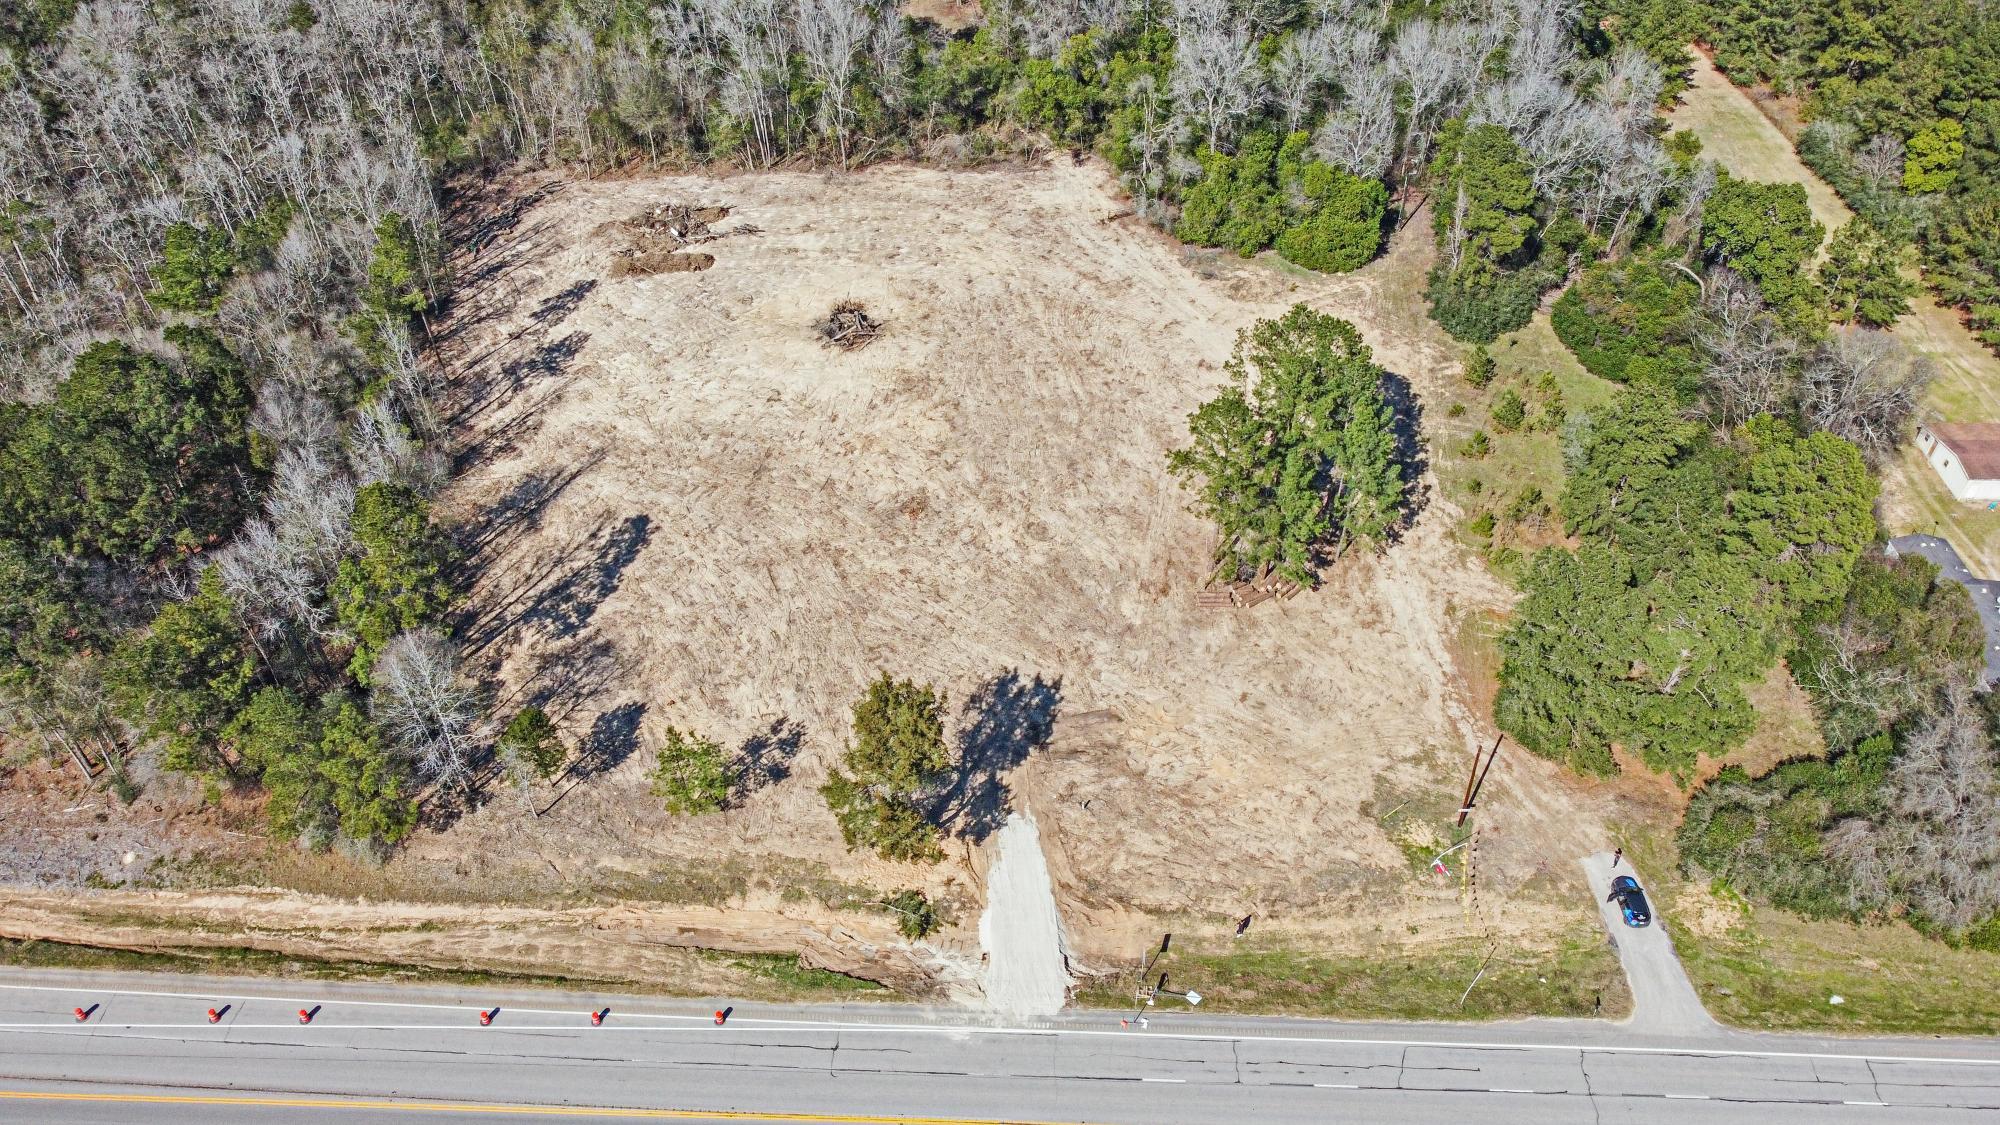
column 849, row 327
column 658, row 237
column 1243, row 595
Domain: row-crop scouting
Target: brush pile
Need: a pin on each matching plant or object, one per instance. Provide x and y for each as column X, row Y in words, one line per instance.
column 848, row 327
column 658, row 237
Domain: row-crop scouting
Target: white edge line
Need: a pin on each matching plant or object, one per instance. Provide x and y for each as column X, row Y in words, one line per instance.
column 1335, row 1086
column 1688, row 1097
column 976, row 1029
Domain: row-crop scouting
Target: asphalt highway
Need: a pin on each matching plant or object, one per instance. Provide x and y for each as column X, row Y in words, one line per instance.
column 376, row 1053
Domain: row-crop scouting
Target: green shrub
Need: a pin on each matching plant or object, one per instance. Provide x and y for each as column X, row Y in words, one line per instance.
column 690, row 774
column 917, row 917
column 1509, row 412
column 1342, row 228
column 1632, row 321
column 1528, row 505
column 1480, row 308
column 1479, row 368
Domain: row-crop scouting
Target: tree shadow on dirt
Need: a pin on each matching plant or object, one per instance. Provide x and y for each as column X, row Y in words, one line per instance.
column 493, row 527
column 1007, row 718
column 567, row 678
column 562, row 596
column 556, row 309
column 562, row 610
column 765, row 758
column 545, row 370
column 1412, row 454
column 613, row 738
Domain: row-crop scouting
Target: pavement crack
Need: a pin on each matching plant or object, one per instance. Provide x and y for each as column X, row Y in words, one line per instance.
column 1589, row 1094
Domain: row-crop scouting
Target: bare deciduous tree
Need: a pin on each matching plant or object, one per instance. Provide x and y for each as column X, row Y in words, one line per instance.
column 420, row 699
column 1881, row 160
column 1864, row 385
column 1937, row 844
column 831, row 35
column 1360, row 136
column 1216, row 78
column 1301, row 67
column 1750, row 362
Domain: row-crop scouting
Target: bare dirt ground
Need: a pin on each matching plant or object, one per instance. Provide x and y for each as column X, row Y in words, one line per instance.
column 681, row 510
column 740, row 527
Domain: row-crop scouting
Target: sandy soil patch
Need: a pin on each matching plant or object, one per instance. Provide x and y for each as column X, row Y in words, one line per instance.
column 1021, row 931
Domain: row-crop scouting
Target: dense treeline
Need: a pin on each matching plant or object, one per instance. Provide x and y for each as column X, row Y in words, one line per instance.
column 1901, row 816
column 1903, row 100
column 1722, row 507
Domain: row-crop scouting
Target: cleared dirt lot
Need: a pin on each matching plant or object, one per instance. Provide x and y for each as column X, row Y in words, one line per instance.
column 685, row 511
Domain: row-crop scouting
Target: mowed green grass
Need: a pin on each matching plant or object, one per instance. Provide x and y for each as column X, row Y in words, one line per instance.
column 1526, row 458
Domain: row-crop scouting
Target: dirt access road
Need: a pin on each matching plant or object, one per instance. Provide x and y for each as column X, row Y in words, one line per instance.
column 1663, row 1001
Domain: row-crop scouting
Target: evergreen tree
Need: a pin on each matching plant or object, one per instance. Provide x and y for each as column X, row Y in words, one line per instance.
column 690, row 774
column 397, row 581
column 1863, row 276
column 1301, row 447
column 136, row 454
column 530, row 745
column 1804, row 510
column 1766, row 232
column 347, row 784
column 195, row 265
column 1931, row 161
column 898, row 752
column 1483, row 199
column 184, row 679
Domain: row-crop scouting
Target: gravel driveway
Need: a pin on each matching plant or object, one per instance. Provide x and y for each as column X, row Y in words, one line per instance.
column 1663, row 1001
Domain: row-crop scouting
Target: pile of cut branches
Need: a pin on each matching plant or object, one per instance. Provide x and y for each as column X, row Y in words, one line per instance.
column 848, row 327
column 684, row 224
column 658, row 235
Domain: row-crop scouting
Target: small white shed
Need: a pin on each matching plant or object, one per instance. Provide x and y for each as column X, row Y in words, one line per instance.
column 1966, row 455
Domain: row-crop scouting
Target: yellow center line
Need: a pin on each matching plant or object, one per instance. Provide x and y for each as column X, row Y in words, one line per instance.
column 473, row 1107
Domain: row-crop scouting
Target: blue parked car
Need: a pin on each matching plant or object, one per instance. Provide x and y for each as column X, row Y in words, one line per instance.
column 1631, row 901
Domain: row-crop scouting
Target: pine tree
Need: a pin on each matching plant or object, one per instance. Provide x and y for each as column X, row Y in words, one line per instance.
column 1300, row 449
column 689, row 774
column 897, row 753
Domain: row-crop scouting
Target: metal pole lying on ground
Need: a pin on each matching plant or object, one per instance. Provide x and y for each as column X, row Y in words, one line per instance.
column 1477, row 781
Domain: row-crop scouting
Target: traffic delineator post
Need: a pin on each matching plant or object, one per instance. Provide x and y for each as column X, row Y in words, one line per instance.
column 597, row 1018
column 305, row 1015
column 81, row 1015
column 720, row 1016
column 486, row 1017
column 214, row 1016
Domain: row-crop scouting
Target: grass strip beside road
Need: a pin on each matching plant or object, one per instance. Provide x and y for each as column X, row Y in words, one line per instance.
column 481, row 1108
column 1580, row 977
